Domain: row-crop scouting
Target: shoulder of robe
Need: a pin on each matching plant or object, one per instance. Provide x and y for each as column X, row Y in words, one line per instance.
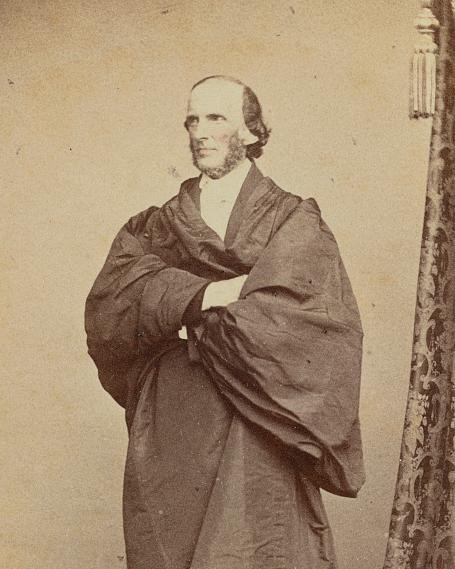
column 292, row 201
column 293, row 207
column 310, row 205
column 146, row 220
column 186, row 185
column 305, row 214
column 309, row 213
column 141, row 221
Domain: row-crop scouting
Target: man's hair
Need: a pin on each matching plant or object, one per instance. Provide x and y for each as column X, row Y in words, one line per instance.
column 252, row 115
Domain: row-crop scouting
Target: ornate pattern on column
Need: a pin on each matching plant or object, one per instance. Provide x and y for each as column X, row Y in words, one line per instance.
column 422, row 529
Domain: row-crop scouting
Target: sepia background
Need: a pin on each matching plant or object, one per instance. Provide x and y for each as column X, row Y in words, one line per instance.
column 92, row 98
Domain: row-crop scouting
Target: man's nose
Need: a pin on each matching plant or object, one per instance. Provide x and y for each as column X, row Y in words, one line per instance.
column 202, row 130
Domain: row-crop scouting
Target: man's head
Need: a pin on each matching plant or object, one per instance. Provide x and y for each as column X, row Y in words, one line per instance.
column 225, row 124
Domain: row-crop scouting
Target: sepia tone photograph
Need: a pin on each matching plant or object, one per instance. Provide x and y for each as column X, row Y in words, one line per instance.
column 229, row 284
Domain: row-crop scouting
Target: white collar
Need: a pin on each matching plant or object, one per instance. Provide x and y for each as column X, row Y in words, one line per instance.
column 218, row 197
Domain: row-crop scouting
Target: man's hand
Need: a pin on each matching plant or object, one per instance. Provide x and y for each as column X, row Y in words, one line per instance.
column 221, row 293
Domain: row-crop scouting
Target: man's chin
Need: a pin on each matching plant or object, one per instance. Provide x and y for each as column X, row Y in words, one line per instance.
column 207, row 163
column 215, row 168
column 210, row 168
column 214, row 173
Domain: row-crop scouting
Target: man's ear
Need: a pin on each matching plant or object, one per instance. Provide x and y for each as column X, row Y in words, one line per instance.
column 246, row 136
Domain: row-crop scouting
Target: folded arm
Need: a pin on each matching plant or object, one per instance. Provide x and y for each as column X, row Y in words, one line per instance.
column 287, row 353
column 137, row 303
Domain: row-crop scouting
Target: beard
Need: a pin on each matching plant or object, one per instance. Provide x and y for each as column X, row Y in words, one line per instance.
column 236, row 153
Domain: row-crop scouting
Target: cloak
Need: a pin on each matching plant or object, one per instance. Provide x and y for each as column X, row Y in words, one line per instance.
column 233, row 432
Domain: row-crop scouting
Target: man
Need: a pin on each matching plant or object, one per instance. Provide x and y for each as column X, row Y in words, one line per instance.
column 233, row 430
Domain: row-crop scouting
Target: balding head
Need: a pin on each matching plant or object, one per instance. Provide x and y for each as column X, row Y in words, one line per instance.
column 224, row 89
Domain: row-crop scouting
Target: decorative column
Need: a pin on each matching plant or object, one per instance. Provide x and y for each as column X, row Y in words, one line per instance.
column 422, row 525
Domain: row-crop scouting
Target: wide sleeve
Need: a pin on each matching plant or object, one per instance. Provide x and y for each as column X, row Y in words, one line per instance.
column 287, row 354
column 136, row 305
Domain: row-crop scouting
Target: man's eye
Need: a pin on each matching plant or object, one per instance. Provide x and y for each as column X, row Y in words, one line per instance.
column 191, row 122
column 216, row 118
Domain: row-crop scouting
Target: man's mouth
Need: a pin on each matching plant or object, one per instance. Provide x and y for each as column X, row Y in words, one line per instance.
column 205, row 151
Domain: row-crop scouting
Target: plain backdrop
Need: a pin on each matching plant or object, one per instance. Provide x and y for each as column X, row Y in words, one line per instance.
column 92, row 97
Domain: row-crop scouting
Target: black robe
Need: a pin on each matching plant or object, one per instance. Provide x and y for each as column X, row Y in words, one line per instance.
column 233, row 432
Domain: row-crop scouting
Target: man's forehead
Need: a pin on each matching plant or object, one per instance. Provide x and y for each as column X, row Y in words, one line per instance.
column 217, row 95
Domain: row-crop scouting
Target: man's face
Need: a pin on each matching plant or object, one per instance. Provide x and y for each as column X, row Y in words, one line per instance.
column 218, row 134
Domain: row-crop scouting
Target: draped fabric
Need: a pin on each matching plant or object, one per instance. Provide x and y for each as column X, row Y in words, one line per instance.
column 422, row 529
column 233, row 432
